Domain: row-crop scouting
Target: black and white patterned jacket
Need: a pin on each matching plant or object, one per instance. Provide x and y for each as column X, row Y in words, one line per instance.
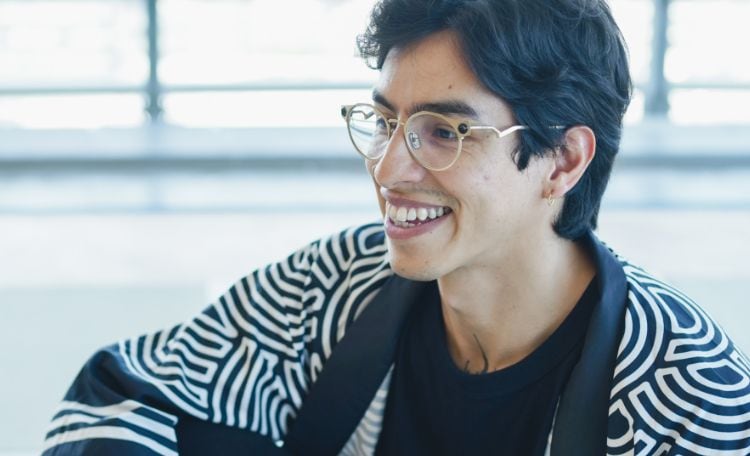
column 656, row 376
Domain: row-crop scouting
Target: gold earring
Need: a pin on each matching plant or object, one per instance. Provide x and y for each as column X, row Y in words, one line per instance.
column 550, row 199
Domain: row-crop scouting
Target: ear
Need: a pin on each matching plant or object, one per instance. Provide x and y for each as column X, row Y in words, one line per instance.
column 570, row 161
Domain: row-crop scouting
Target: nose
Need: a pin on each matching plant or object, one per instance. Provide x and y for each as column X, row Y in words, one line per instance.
column 397, row 167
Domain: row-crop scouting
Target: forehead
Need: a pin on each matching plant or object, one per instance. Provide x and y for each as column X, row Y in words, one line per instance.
column 434, row 70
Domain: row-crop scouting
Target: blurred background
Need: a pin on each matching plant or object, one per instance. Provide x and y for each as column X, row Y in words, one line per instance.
column 154, row 151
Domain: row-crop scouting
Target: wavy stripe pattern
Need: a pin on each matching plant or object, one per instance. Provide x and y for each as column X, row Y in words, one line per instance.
column 680, row 386
column 127, row 421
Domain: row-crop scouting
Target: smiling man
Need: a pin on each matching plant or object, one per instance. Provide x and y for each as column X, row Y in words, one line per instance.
column 481, row 316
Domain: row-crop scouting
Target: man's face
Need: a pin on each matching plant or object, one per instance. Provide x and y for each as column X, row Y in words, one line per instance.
column 492, row 211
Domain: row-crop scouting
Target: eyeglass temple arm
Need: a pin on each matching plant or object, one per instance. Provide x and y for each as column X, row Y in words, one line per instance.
column 503, row 133
column 509, row 130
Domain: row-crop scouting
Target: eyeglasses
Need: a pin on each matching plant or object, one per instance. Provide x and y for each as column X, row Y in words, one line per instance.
column 433, row 140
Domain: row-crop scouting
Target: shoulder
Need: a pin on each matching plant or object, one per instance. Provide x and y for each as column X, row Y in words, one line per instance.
column 350, row 264
column 680, row 383
column 307, row 281
column 351, row 248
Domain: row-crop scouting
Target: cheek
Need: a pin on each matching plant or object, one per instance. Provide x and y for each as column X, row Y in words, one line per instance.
column 487, row 205
column 381, row 202
column 477, row 202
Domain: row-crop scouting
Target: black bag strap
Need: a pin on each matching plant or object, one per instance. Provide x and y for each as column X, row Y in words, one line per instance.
column 340, row 396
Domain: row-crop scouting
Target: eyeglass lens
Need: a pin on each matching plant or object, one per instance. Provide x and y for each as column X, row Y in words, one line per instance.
column 368, row 130
column 433, row 142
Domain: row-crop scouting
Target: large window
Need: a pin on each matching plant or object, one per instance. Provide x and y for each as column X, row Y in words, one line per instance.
column 192, row 63
column 705, row 62
column 260, row 63
column 72, row 64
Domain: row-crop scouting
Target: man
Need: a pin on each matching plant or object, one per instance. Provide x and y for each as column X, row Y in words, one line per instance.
column 481, row 317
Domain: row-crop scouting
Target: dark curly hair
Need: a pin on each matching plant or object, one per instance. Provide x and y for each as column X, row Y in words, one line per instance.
column 555, row 62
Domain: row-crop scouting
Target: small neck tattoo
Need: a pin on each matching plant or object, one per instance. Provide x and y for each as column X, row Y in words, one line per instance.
column 485, row 361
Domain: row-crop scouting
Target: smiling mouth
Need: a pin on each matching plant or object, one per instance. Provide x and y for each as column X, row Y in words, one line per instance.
column 409, row 217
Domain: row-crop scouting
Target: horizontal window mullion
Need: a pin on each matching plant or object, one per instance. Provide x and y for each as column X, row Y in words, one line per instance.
column 257, row 87
column 70, row 90
column 708, row 85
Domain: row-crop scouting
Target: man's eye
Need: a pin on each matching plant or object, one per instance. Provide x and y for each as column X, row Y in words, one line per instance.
column 445, row 133
column 381, row 124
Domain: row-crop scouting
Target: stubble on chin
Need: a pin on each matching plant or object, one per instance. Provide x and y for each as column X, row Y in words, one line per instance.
column 411, row 268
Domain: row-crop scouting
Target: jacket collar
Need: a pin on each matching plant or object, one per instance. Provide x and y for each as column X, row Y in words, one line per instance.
column 340, row 396
column 581, row 420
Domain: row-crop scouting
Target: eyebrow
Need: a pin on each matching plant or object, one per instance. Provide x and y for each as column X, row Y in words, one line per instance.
column 440, row 107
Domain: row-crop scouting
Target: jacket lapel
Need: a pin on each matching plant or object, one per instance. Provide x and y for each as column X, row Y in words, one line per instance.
column 580, row 427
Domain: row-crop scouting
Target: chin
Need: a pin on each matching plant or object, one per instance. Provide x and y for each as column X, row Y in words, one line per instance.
column 409, row 267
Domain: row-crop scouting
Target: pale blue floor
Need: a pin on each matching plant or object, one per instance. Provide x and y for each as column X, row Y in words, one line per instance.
column 72, row 279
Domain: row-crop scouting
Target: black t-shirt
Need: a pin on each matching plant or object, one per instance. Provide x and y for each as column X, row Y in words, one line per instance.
column 435, row 408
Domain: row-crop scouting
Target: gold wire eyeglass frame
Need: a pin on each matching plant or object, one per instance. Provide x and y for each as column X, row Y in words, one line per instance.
column 462, row 128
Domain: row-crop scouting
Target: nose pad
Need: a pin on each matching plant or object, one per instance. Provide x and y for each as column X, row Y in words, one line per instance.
column 414, row 141
column 397, row 165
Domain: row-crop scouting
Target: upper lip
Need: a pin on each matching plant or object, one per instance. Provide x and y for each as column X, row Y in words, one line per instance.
column 400, row 201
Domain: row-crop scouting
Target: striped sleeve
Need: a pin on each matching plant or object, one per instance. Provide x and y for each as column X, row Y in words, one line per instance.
column 128, row 427
column 245, row 362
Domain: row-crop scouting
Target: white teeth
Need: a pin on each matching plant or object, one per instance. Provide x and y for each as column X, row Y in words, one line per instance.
column 401, row 214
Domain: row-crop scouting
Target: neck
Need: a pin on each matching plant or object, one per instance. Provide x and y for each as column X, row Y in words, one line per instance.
column 496, row 315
